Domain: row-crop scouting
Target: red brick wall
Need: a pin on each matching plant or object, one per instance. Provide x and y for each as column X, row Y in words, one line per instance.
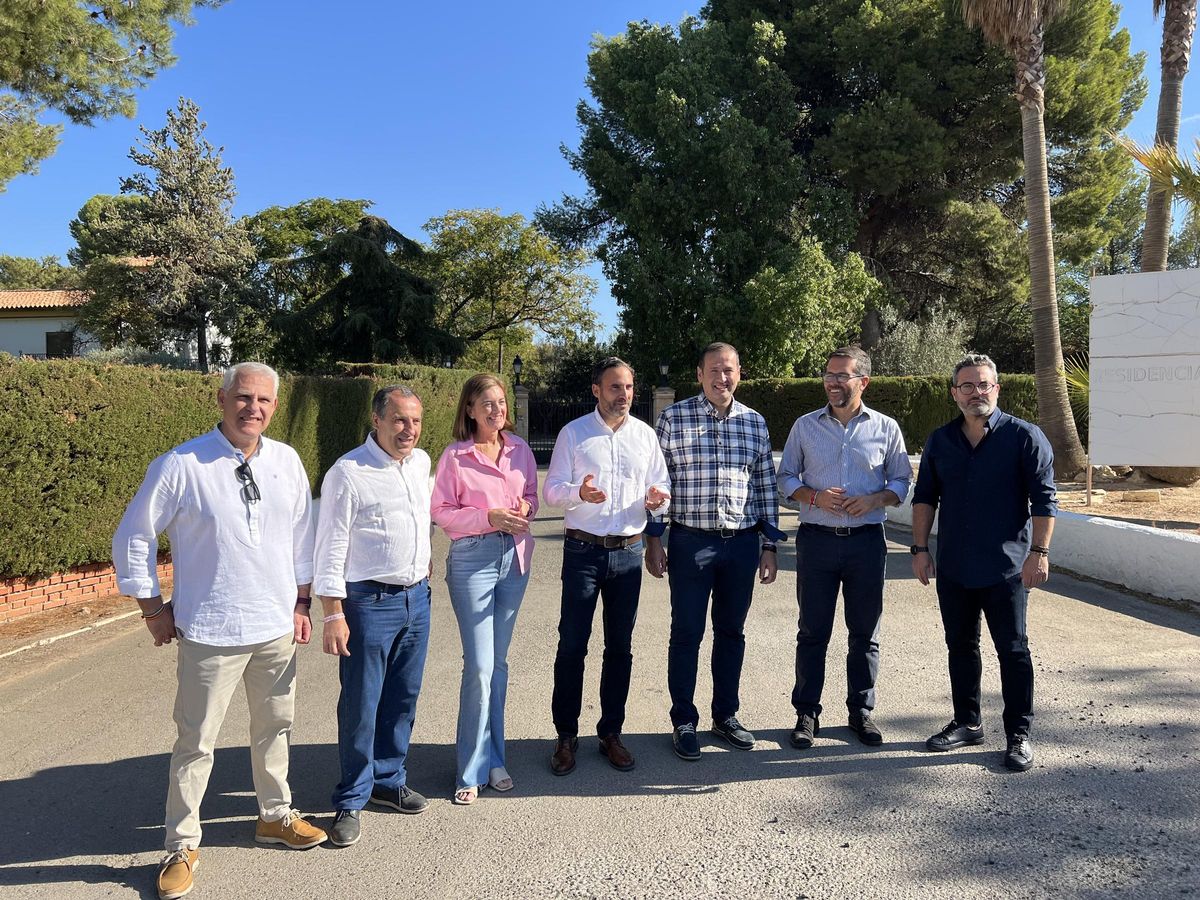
column 22, row 597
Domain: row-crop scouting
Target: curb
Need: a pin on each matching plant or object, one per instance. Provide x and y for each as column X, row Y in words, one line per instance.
column 45, row 642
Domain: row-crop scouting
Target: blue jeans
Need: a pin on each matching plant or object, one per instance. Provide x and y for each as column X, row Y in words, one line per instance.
column 486, row 588
column 825, row 562
column 590, row 572
column 1004, row 604
column 381, row 678
column 701, row 565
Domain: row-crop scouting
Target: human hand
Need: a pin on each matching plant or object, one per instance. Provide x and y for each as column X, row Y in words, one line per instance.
column 1036, row 570
column 656, row 557
column 589, row 493
column 162, row 626
column 768, row 566
column 861, row 505
column 524, row 508
column 302, row 623
column 507, row 521
column 923, row 567
column 830, row 499
column 656, row 497
column 335, row 638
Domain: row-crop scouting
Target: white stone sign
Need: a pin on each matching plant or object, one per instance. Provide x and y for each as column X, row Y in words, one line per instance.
column 1145, row 369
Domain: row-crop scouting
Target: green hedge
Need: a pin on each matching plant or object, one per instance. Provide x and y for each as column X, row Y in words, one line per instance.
column 78, row 437
column 919, row 403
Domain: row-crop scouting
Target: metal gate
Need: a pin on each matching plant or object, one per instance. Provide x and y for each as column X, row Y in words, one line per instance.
column 548, row 415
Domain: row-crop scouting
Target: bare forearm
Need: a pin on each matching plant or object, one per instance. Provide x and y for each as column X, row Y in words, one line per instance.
column 922, row 523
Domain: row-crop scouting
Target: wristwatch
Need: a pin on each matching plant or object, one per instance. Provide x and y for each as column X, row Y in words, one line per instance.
column 917, row 548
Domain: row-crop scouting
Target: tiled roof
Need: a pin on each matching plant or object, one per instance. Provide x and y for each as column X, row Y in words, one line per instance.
column 41, row 299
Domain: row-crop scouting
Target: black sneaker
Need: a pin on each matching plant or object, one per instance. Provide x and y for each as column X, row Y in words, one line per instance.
column 864, row 726
column 345, row 830
column 731, row 730
column 1019, row 755
column 687, row 745
column 402, row 799
column 808, row 726
column 955, row 735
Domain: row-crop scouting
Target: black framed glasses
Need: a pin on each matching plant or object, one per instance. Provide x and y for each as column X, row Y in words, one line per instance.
column 839, row 377
column 250, row 491
column 983, row 388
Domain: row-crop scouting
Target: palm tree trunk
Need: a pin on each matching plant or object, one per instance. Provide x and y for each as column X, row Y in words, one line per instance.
column 1054, row 408
column 1179, row 24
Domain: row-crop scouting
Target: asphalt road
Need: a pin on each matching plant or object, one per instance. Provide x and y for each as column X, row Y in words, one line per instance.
column 1109, row 810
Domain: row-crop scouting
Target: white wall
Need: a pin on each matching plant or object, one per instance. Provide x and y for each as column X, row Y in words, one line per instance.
column 28, row 336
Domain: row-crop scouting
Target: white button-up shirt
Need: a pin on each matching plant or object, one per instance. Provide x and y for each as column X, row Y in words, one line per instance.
column 626, row 463
column 374, row 521
column 237, row 561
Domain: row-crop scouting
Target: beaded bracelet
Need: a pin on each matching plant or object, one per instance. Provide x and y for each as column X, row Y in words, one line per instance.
column 157, row 612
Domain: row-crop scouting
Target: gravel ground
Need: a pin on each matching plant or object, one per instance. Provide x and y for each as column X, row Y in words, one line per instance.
column 1109, row 810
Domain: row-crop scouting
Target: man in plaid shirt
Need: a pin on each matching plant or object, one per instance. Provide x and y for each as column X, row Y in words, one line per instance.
column 723, row 498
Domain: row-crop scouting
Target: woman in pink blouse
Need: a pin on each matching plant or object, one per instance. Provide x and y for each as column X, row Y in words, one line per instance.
column 484, row 496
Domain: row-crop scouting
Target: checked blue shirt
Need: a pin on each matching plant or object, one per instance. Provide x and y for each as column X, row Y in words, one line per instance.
column 722, row 473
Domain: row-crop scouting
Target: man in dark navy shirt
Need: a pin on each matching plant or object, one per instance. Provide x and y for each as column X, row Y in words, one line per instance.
column 992, row 476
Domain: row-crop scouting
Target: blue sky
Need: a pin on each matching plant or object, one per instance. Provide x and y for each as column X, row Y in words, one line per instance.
column 420, row 107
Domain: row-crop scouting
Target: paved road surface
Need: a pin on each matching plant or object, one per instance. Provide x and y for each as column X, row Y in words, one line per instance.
column 1110, row 809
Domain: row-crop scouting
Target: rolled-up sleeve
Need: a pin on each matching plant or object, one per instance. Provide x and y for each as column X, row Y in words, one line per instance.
column 1038, row 468
column 559, row 489
column 791, row 464
column 135, row 543
column 897, row 470
column 333, row 534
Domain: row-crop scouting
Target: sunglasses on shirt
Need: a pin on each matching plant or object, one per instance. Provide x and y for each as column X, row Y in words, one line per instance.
column 250, row 491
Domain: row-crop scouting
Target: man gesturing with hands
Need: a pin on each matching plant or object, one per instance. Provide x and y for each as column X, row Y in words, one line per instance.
column 372, row 575
column 607, row 471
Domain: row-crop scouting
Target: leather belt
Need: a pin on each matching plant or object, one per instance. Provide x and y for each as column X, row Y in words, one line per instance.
column 714, row 532
column 392, row 588
column 607, row 541
column 843, row 530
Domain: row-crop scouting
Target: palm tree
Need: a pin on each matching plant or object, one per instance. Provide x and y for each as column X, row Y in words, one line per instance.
column 1179, row 24
column 1017, row 26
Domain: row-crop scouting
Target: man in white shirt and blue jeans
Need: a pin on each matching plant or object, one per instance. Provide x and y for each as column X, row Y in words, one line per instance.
column 606, row 471
column 372, row 575
column 236, row 507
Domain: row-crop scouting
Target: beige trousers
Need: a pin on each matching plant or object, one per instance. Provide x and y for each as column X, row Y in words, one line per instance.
column 208, row 677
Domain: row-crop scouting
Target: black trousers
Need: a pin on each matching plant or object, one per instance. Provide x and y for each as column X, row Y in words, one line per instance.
column 1004, row 606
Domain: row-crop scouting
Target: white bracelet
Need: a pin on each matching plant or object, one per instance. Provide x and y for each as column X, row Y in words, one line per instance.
column 333, row 618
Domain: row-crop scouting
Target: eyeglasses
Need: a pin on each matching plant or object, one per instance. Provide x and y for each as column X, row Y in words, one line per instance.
column 970, row 387
column 250, row 491
column 839, row 377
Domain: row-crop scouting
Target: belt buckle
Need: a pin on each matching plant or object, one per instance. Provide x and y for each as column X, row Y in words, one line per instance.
column 841, row 530
column 608, row 542
column 727, row 533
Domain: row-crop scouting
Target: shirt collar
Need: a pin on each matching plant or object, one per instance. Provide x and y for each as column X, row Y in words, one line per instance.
column 707, row 406
column 863, row 410
column 380, row 455
column 599, row 419
column 234, row 451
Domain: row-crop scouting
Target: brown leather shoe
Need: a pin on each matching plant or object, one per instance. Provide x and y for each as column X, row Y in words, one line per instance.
column 618, row 757
column 563, row 760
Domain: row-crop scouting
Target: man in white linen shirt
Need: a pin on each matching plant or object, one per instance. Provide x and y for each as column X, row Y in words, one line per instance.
column 372, row 575
column 606, row 471
column 236, row 507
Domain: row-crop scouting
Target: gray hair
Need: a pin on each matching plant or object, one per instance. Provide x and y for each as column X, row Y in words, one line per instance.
column 249, row 368
column 380, row 401
column 862, row 362
column 975, row 359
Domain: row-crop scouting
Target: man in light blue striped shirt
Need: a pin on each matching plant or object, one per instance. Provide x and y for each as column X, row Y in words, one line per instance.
column 844, row 463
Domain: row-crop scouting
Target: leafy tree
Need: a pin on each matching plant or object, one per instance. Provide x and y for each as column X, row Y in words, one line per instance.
column 282, row 281
column 83, row 60
column 376, row 307
column 191, row 258
column 1179, row 25
column 694, row 191
column 103, row 227
column 20, row 273
column 1019, row 28
column 495, row 273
